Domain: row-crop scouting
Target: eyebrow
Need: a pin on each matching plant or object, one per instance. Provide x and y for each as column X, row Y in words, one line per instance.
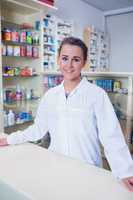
column 64, row 55
column 73, row 56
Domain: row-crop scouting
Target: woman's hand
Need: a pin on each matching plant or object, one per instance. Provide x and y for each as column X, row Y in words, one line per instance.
column 3, row 142
column 128, row 182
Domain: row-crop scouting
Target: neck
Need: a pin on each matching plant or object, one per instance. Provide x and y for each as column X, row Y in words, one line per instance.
column 70, row 85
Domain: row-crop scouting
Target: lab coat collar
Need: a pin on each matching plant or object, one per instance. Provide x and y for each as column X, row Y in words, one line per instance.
column 79, row 86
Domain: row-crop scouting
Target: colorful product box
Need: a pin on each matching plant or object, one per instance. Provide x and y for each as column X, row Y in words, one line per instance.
column 16, row 51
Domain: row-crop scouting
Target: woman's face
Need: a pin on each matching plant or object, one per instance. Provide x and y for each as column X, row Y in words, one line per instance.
column 71, row 62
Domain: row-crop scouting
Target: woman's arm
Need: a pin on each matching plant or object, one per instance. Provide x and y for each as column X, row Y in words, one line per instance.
column 33, row 132
column 112, row 139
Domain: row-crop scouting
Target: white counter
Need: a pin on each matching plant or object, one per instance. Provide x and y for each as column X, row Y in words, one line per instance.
column 43, row 175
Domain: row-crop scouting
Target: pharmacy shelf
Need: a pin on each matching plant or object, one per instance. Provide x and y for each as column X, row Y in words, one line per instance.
column 94, row 74
column 16, row 26
column 15, row 127
column 13, row 13
column 19, row 43
column 27, row 7
column 107, row 74
column 55, row 30
column 21, row 57
column 19, row 76
column 51, row 72
column 23, row 101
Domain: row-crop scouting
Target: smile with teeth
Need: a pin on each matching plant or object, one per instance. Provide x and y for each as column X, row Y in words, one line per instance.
column 69, row 71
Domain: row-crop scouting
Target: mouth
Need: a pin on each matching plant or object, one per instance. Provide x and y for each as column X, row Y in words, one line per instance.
column 68, row 71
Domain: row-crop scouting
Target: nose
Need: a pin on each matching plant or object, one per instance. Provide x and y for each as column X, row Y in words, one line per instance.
column 70, row 63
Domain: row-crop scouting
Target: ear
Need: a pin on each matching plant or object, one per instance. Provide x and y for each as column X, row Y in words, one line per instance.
column 85, row 62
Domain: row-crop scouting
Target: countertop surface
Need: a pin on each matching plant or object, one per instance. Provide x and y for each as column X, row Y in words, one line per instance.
column 40, row 174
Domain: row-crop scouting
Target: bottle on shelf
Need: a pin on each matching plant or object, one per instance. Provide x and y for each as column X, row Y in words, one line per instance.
column 11, row 118
column 5, row 119
column 18, row 93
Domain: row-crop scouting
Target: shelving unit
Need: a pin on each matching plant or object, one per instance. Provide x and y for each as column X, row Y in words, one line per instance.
column 98, row 49
column 64, row 29
column 27, row 7
column 17, row 127
column 49, row 42
column 55, row 30
column 21, row 62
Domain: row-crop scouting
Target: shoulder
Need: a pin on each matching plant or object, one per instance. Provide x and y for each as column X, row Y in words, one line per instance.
column 49, row 96
column 95, row 94
column 52, row 93
column 93, row 89
column 98, row 97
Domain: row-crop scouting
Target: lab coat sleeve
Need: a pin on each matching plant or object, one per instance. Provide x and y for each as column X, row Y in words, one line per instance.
column 112, row 138
column 35, row 131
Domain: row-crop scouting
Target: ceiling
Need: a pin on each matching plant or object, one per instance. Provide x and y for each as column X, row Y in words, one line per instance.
column 108, row 5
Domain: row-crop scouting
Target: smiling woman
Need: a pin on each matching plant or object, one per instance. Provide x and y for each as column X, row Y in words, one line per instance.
column 79, row 121
column 71, row 59
column 71, row 64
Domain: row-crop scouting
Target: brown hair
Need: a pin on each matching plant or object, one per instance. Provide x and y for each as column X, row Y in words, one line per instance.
column 76, row 42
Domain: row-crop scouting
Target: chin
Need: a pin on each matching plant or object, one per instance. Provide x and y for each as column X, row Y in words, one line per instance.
column 71, row 78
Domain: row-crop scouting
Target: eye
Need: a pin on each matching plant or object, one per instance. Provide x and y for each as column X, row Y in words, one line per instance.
column 64, row 58
column 77, row 60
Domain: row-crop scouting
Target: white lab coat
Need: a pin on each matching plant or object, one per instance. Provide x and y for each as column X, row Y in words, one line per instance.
column 78, row 124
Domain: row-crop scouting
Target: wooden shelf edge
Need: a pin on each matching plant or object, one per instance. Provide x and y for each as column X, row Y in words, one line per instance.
column 93, row 74
column 29, row 6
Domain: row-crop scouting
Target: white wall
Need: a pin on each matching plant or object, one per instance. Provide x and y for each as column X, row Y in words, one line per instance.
column 80, row 13
column 120, row 28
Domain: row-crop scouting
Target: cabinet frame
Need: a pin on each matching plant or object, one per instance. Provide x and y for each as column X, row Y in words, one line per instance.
column 25, row 8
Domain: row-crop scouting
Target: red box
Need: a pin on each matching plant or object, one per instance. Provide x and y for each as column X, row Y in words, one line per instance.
column 50, row 2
